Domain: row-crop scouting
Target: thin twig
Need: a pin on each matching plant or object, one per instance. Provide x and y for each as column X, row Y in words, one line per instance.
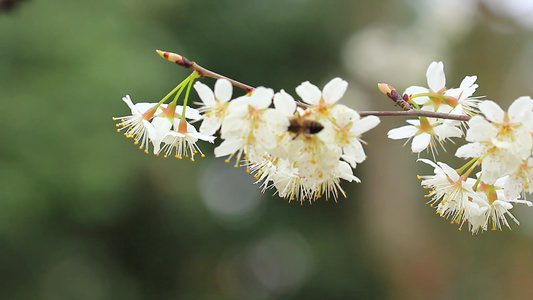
column 189, row 64
column 415, row 112
column 392, row 93
column 205, row 72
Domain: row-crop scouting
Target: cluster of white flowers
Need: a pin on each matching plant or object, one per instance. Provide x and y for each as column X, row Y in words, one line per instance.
column 428, row 132
column 301, row 149
column 164, row 127
column 499, row 142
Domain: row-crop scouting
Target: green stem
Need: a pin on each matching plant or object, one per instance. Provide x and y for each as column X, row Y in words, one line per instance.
column 187, row 96
column 175, row 100
column 470, row 162
column 429, row 95
column 172, row 92
column 414, row 104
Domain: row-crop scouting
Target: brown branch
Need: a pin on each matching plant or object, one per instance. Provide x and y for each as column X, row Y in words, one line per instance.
column 415, row 112
column 203, row 72
column 400, row 100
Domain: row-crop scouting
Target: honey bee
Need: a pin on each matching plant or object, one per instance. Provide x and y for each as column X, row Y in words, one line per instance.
column 300, row 125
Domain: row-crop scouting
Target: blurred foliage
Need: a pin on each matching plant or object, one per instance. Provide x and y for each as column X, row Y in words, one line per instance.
column 86, row 215
column 7, row 5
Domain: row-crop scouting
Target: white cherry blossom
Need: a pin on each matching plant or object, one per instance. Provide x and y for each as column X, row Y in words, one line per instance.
column 182, row 140
column 426, row 132
column 450, row 191
column 214, row 104
column 500, row 140
column 138, row 125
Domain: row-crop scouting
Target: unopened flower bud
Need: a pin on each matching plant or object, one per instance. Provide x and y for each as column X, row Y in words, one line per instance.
column 385, row 88
column 173, row 57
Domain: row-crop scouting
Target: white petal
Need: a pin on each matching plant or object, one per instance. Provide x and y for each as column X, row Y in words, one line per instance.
column 128, row 101
column 413, row 90
column 504, row 204
column 334, row 90
column 468, row 82
column 416, row 90
column 402, row 132
column 346, row 173
column 444, row 131
column 234, row 128
column 491, row 110
column 449, row 171
column 205, row 93
column 435, row 76
column 228, row 147
column 210, row 125
column 162, row 127
column 239, row 105
column 284, row 103
column 143, row 107
column 261, row 97
column 429, row 162
column 470, row 150
column 203, row 137
column 309, row 93
column 520, row 108
column 414, row 122
column 276, row 120
column 223, row 90
column 420, row 142
column 355, row 151
column 365, row 124
column 152, row 134
column 523, row 143
column 343, row 115
column 467, row 87
column 480, row 130
column 513, row 187
column 190, row 113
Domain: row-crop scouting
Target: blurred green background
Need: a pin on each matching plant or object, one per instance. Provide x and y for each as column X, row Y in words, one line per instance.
column 84, row 214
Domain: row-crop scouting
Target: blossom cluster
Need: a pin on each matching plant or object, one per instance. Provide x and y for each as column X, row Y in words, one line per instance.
column 430, row 132
column 304, row 148
column 301, row 149
column 166, row 126
column 500, row 143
